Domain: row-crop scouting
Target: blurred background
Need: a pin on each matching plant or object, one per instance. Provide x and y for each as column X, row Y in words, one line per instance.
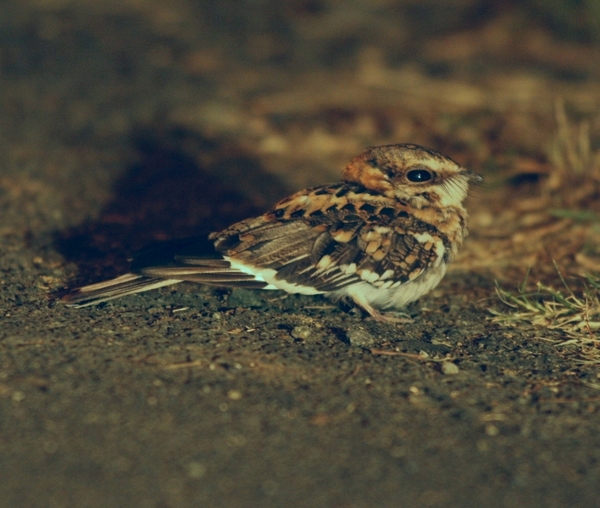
column 126, row 101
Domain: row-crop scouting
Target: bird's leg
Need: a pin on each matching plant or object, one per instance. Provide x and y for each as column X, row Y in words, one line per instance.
column 389, row 317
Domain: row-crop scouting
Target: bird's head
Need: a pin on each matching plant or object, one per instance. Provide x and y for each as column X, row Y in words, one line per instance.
column 411, row 173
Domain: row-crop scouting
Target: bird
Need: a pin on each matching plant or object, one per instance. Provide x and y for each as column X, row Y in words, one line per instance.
column 382, row 237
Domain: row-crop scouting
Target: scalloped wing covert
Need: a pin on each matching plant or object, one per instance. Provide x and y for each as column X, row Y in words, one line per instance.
column 330, row 237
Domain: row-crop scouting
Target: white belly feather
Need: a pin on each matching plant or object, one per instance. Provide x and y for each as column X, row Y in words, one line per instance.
column 394, row 297
column 268, row 275
column 380, row 298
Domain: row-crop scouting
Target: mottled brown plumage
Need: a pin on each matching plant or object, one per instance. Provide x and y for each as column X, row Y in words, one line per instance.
column 382, row 237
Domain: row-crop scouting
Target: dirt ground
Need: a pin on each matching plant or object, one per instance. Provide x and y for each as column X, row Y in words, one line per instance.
column 128, row 122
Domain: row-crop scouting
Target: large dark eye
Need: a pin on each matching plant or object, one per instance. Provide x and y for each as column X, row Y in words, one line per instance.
column 419, row 175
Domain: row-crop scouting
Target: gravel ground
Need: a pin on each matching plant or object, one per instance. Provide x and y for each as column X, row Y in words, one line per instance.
column 128, row 123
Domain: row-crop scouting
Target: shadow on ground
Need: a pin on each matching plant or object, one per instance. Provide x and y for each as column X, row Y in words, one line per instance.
column 183, row 184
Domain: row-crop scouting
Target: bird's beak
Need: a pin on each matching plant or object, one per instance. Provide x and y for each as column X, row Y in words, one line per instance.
column 472, row 177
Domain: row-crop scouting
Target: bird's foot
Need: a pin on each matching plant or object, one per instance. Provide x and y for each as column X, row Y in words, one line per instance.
column 383, row 317
column 391, row 317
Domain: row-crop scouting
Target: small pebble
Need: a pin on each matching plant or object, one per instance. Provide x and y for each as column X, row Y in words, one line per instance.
column 301, row 332
column 360, row 337
column 196, row 470
column 234, row 395
column 491, row 430
column 18, row 396
column 450, row 368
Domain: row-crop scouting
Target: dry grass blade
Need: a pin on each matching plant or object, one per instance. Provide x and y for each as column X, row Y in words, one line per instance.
column 577, row 315
column 570, row 151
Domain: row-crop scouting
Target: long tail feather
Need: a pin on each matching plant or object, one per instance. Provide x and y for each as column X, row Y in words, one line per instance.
column 115, row 288
column 191, row 260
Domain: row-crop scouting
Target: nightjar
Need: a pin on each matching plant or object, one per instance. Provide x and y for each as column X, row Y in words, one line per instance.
column 381, row 237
